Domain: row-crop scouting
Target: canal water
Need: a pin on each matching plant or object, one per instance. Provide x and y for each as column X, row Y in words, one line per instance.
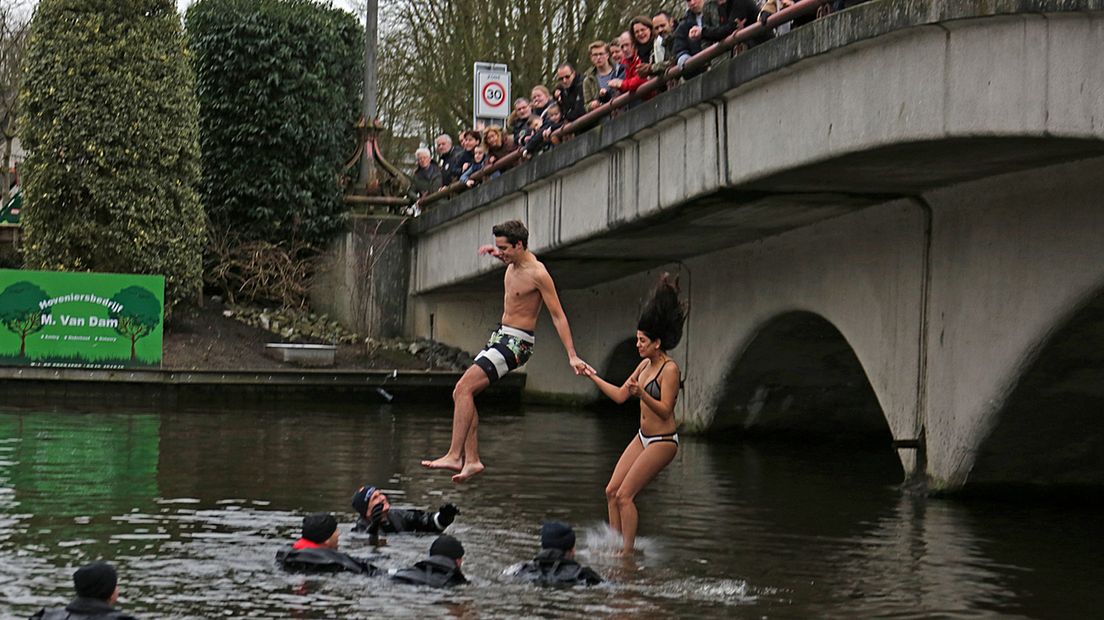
column 191, row 506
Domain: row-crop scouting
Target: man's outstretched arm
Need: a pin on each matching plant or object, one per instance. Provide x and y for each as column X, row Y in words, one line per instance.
column 490, row 250
column 547, row 290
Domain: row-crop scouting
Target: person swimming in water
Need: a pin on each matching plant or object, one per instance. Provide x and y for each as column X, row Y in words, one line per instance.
column 658, row 331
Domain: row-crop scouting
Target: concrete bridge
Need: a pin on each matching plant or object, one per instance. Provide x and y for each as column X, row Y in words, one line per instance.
column 888, row 221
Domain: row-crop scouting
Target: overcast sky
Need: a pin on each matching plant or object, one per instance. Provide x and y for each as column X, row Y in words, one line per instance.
column 27, row 5
column 344, row 4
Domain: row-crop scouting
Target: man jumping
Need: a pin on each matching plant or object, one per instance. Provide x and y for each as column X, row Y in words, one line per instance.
column 527, row 285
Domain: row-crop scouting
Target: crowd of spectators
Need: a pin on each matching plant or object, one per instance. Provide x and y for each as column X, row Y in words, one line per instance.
column 648, row 48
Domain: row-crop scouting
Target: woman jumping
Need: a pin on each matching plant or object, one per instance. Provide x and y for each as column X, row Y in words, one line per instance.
column 658, row 331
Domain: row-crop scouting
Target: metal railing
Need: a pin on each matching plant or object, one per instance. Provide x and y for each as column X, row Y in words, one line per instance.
column 697, row 62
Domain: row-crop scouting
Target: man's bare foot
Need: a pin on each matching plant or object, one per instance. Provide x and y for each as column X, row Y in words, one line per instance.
column 444, row 463
column 469, row 471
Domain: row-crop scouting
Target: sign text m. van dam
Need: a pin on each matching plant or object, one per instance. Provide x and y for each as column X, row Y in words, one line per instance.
column 80, row 320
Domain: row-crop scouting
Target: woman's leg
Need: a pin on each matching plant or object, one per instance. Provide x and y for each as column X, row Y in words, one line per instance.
column 631, row 453
column 653, row 459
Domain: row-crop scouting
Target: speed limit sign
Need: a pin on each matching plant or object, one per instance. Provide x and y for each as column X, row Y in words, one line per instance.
column 491, row 92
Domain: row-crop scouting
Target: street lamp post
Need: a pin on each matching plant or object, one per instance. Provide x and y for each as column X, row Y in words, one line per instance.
column 379, row 184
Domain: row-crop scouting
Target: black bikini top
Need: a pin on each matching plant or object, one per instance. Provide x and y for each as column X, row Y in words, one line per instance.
column 652, row 387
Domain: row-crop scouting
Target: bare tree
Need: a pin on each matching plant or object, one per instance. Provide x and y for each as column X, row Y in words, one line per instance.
column 427, row 49
column 15, row 19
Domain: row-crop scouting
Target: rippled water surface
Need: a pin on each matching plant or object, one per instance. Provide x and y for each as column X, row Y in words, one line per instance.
column 191, row 507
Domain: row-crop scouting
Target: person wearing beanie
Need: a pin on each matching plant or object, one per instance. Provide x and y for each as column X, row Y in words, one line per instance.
column 440, row 570
column 555, row 565
column 375, row 515
column 97, row 586
column 316, row 551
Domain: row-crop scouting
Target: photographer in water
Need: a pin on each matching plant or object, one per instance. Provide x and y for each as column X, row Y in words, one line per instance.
column 376, row 515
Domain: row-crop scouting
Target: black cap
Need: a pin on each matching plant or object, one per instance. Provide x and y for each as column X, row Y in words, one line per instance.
column 360, row 499
column 96, row 580
column 557, row 535
column 447, row 546
column 318, row 527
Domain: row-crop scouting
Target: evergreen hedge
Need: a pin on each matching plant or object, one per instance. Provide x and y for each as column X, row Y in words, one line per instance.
column 278, row 83
column 110, row 126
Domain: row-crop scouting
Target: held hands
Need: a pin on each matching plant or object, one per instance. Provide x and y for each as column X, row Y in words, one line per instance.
column 581, row 368
column 695, row 33
column 634, row 387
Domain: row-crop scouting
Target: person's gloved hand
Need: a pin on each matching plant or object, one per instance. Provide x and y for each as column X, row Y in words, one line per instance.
column 446, row 514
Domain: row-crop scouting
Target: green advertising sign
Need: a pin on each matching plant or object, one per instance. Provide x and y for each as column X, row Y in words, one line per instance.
column 80, row 320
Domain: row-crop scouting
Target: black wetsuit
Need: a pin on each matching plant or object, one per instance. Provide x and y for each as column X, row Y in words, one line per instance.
column 399, row 520
column 320, row 560
column 83, row 609
column 436, row 572
column 551, row 568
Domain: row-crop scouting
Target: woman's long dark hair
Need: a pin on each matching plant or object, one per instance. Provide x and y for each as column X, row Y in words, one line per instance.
column 664, row 314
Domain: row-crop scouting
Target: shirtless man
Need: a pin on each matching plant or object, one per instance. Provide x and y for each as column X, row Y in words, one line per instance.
column 528, row 285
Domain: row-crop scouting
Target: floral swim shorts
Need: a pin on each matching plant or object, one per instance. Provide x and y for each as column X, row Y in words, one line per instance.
column 507, row 349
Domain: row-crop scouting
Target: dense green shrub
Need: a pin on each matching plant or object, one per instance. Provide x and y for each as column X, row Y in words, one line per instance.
column 111, row 134
column 278, row 83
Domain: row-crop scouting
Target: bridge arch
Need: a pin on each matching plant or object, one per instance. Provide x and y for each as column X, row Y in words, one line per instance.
column 799, row 375
column 1050, row 430
column 622, row 359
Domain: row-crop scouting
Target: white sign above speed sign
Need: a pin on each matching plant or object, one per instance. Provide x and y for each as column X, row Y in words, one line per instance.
column 491, row 93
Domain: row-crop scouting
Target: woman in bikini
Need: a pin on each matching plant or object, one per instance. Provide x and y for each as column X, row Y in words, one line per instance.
column 656, row 383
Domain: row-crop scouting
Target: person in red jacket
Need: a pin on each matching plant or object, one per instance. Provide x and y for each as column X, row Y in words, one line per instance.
column 634, row 68
column 316, row 551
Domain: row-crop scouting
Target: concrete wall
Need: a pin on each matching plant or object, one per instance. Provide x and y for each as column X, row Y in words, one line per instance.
column 363, row 278
column 1012, row 258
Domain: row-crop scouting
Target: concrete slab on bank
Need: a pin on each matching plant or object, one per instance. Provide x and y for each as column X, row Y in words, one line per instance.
column 52, row 387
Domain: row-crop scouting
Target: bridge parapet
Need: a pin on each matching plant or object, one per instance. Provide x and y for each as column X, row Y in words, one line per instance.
column 889, row 99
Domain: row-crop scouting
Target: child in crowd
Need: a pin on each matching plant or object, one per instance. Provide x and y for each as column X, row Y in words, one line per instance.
column 542, row 139
column 480, row 161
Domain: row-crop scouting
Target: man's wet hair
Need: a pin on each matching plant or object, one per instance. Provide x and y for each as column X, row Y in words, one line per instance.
column 514, row 231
